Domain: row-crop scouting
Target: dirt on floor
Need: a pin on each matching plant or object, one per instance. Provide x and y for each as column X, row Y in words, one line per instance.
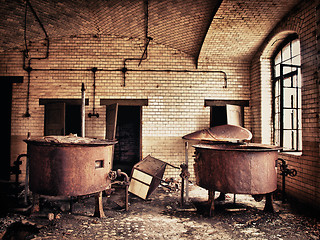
column 160, row 217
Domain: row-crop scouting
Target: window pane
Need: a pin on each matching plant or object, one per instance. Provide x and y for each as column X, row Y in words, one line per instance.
column 277, row 88
column 294, row 80
column 287, row 82
column 287, row 118
column 287, row 69
column 295, row 47
column 296, row 60
column 286, row 52
column 289, row 98
column 300, row 140
column 277, row 70
column 299, row 119
column 287, row 140
column 299, row 78
column 277, row 137
column 277, row 59
column 299, row 98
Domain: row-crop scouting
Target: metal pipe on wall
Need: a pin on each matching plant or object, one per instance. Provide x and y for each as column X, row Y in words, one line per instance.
column 83, row 110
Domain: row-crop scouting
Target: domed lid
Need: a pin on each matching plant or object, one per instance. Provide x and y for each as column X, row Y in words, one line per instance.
column 222, row 133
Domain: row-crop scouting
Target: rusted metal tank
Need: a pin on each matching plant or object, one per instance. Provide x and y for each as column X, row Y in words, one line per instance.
column 225, row 162
column 68, row 165
column 235, row 168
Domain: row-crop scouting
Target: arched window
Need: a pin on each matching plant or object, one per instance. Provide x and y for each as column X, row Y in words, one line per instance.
column 287, row 95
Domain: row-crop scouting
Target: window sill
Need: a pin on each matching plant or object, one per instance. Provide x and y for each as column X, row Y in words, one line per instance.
column 292, row 153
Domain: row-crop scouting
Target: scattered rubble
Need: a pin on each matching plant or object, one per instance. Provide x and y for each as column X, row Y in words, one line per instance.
column 160, row 218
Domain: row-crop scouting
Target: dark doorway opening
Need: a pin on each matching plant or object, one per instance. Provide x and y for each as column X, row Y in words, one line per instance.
column 73, row 119
column 127, row 152
column 62, row 118
column 6, row 101
column 218, row 116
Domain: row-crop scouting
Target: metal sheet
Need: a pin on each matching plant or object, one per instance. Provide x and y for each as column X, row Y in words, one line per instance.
column 222, row 133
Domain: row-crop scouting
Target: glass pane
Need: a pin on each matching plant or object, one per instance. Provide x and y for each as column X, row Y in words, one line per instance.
column 300, row 140
column 287, row 118
column 295, row 47
column 286, row 52
column 294, row 80
column 289, row 97
column 287, row 69
column 299, row 78
column 277, row 59
column 299, row 98
column 277, row 137
column 294, row 140
column 296, row 60
column 277, row 104
column 277, row 70
column 299, row 119
column 294, row 119
column 276, row 122
column 287, row 140
column 287, row 82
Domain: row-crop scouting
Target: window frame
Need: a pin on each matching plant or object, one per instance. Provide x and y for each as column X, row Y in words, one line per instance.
column 278, row 97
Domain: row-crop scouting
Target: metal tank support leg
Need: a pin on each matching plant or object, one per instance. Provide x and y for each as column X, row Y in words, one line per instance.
column 268, row 207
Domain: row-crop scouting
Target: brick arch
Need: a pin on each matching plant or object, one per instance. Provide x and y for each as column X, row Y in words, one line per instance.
column 274, row 43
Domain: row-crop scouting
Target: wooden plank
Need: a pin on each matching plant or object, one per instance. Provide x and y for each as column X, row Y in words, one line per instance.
column 125, row 102
column 69, row 101
column 143, row 177
column 138, row 188
column 222, row 102
column 111, row 119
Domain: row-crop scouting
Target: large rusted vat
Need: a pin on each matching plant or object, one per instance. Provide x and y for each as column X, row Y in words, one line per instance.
column 225, row 162
column 235, row 168
column 69, row 166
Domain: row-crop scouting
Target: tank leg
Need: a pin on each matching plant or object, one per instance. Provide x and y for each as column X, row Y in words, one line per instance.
column 211, row 202
column 98, row 212
column 268, row 207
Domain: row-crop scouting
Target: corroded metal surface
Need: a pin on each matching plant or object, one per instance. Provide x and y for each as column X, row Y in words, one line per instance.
column 247, row 169
column 223, row 133
column 69, row 140
column 69, row 169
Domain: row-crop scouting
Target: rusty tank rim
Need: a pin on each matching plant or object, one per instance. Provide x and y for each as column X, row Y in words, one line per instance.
column 249, row 147
column 69, row 141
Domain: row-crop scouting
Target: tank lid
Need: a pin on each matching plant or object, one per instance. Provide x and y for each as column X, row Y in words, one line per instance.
column 222, row 133
column 69, row 140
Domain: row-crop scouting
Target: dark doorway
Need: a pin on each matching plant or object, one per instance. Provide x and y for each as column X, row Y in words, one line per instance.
column 218, row 116
column 6, row 101
column 62, row 119
column 73, row 119
column 127, row 151
column 227, row 114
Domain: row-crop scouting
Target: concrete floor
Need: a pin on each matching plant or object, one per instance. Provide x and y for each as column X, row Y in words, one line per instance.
column 161, row 218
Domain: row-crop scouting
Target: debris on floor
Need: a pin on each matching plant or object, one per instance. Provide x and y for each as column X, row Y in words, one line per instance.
column 159, row 218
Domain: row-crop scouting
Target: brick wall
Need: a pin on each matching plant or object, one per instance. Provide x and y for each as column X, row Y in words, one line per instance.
column 175, row 99
column 301, row 20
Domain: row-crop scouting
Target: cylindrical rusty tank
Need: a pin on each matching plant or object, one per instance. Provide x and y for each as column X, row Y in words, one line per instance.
column 68, row 165
column 225, row 162
column 235, row 168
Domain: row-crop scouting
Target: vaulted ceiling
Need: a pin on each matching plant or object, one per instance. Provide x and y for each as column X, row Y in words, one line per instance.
column 204, row 29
